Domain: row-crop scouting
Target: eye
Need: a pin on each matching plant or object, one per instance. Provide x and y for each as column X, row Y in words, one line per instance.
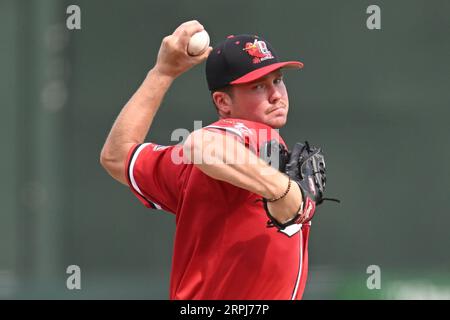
column 278, row 80
column 258, row 86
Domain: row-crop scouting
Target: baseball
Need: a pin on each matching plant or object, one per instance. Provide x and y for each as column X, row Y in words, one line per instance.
column 198, row 43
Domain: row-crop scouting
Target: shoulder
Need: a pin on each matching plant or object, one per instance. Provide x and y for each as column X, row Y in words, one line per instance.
column 253, row 133
column 243, row 127
column 247, row 127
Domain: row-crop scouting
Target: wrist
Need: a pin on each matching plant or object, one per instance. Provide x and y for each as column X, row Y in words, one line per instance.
column 161, row 75
column 277, row 187
column 289, row 206
column 282, row 195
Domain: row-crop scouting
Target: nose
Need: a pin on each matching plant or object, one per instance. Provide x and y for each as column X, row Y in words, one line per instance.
column 275, row 94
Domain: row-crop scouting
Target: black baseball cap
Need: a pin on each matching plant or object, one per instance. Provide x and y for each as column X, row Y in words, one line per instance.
column 241, row 59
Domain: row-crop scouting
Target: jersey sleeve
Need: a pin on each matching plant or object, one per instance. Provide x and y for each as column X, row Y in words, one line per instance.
column 156, row 174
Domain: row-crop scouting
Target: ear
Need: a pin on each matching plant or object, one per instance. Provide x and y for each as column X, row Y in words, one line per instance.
column 223, row 103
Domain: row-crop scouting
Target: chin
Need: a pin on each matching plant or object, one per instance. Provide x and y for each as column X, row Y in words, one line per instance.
column 277, row 122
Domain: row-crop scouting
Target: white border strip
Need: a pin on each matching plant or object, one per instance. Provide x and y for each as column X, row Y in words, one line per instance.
column 300, row 271
column 131, row 170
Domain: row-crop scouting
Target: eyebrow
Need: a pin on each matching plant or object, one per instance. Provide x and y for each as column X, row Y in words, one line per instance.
column 262, row 79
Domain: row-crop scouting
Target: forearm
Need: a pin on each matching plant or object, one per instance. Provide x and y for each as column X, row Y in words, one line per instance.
column 239, row 166
column 134, row 121
column 223, row 158
column 136, row 117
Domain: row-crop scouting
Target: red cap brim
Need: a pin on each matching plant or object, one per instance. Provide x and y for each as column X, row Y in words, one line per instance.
column 261, row 72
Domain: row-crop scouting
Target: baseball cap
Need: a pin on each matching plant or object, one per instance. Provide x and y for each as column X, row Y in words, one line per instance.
column 242, row 59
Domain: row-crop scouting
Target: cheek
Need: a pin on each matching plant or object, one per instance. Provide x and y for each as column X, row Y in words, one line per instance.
column 284, row 94
column 246, row 106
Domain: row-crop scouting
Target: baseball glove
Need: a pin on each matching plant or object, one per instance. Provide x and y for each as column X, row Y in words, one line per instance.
column 305, row 165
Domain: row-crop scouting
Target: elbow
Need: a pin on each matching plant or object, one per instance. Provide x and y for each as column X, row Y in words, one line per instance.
column 113, row 166
column 107, row 160
column 192, row 148
column 204, row 148
column 201, row 148
column 113, row 161
column 104, row 159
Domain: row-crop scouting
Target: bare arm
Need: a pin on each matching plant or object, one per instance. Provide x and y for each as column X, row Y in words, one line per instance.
column 222, row 158
column 136, row 117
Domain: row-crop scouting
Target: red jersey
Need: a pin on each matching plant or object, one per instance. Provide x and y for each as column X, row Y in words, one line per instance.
column 224, row 247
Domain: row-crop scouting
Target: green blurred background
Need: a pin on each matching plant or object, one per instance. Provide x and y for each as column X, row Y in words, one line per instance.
column 376, row 100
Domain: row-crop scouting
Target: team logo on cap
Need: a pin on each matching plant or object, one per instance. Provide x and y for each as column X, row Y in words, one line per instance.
column 258, row 51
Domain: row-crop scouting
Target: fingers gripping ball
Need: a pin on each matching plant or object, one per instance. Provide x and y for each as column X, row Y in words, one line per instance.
column 198, row 43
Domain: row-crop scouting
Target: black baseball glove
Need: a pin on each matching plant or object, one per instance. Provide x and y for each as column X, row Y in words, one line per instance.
column 305, row 165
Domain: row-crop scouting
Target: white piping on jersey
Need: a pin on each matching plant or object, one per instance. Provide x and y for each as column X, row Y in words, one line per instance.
column 292, row 229
column 131, row 170
column 300, row 267
column 227, row 128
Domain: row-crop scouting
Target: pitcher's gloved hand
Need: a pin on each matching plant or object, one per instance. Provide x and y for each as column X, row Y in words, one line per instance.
column 305, row 165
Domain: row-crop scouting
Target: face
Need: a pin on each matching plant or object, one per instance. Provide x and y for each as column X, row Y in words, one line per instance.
column 264, row 100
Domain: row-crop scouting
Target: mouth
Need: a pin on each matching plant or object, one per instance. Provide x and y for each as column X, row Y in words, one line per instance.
column 276, row 108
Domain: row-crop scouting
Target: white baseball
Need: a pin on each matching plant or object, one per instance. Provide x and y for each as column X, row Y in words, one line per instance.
column 198, row 43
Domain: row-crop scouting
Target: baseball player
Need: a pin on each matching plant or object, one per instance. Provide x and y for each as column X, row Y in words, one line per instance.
column 241, row 226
